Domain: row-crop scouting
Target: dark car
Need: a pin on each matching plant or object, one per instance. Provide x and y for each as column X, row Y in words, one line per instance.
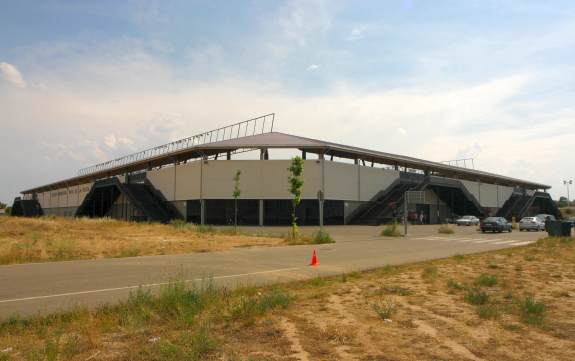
column 495, row 224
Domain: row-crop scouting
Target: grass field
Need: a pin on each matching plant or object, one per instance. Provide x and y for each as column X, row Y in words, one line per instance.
column 24, row 240
column 513, row 304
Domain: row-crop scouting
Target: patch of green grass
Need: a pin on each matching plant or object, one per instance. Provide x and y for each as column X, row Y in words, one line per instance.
column 384, row 308
column 492, row 264
column 429, row 272
column 476, row 296
column 246, row 308
column 317, row 282
column 531, row 311
column 454, row 285
column 391, row 230
column 486, row 280
column 128, row 252
column 458, row 257
column 397, row 290
column 487, row 311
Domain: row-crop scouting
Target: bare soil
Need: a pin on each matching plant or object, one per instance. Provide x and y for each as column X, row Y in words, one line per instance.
column 24, row 240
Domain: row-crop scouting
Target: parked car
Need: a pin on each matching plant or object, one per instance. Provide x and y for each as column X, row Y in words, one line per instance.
column 543, row 217
column 531, row 224
column 571, row 220
column 467, row 221
column 495, row 224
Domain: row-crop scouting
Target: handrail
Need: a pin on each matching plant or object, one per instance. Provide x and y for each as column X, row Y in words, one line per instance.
column 254, row 126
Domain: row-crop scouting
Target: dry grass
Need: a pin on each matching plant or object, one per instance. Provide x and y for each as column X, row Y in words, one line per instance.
column 451, row 309
column 43, row 239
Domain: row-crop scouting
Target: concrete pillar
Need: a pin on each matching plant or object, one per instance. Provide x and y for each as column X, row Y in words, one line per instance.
column 261, row 212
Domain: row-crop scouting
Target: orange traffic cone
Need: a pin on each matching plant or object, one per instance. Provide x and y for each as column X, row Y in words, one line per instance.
column 314, row 261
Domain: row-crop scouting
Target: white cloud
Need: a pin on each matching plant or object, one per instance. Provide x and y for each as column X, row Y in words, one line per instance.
column 114, row 142
column 401, row 131
column 312, row 67
column 12, row 74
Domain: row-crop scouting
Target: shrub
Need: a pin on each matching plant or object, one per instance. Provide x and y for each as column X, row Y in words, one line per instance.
column 476, row 296
column 391, row 230
column 531, row 311
column 486, row 280
column 446, row 229
column 322, row 237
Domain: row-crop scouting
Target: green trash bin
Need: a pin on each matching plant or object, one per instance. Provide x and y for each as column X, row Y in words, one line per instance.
column 565, row 229
column 554, row 228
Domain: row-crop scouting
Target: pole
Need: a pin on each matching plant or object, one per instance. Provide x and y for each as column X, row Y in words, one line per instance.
column 404, row 214
column 321, row 215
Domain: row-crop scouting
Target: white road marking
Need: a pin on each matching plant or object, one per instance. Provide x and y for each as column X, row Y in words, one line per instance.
column 522, row 243
column 494, row 241
column 149, row 285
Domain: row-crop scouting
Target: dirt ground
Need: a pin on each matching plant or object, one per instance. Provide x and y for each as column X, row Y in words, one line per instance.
column 25, row 240
column 430, row 317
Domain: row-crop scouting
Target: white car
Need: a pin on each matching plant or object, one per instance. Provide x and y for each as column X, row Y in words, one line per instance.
column 531, row 224
column 467, row 221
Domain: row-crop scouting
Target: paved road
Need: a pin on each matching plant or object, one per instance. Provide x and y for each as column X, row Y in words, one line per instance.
column 46, row 287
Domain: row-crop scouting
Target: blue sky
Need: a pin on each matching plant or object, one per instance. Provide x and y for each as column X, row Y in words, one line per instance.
column 83, row 81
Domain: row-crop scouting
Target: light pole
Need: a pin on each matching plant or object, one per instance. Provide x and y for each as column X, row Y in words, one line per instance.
column 567, row 184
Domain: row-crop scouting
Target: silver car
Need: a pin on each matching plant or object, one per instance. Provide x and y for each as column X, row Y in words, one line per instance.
column 467, row 221
column 531, row 224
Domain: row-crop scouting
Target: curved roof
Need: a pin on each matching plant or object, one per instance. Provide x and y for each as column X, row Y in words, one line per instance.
column 282, row 140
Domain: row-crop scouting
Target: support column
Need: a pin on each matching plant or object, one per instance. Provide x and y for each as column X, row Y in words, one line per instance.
column 202, row 206
column 261, row 212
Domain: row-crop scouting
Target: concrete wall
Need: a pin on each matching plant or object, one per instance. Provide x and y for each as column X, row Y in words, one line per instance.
column 64, row 197
column 269, row 180
column 488, row 195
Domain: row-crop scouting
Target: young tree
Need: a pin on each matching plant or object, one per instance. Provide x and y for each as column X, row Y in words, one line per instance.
column 237, row 192
column 296, row 184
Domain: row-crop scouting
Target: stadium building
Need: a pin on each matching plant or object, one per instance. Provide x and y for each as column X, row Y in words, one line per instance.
column 192, row 179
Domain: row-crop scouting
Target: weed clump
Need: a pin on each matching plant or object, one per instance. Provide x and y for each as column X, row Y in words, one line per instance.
column 487, row 311
column 486, row 280
column 476, row 296
column 454, row 285
column 446, row 229
column 384, row 308
column 531, row 311
column 322, row 237
column 391, row 230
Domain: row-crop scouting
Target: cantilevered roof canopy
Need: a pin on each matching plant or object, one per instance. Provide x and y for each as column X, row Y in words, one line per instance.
column 278, row 140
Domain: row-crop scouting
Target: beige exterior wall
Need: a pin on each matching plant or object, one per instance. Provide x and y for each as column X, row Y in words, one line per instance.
column 342, row 181
column 269, row 180
column 163, row 180
column 487, row 194
column 188, row 181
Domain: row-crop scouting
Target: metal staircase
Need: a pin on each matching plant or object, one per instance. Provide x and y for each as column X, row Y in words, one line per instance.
column 148, row 204
column 26, row 208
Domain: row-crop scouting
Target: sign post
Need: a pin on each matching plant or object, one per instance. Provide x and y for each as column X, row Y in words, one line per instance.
column 320, row 198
